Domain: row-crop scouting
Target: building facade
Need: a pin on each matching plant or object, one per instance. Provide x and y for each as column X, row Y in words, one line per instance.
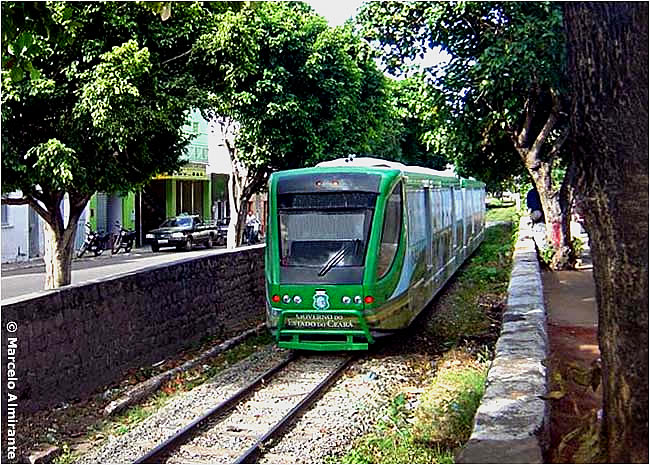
column 186, row 191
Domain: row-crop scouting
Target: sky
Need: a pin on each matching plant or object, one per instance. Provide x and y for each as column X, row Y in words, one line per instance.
column 338, row 11
column 335, row 11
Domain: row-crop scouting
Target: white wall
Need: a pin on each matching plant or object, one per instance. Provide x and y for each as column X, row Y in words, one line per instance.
column 218, row 156
column 15, row 232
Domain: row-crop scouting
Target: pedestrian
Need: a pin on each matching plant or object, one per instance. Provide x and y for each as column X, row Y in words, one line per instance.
column 534, row 204
column 251, row 223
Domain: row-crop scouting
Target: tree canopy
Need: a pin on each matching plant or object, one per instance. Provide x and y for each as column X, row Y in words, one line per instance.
column 414, row 106
column 104, row 102
column 504, row 57
column 299, row 89
column 92, row 100
column 503, row 104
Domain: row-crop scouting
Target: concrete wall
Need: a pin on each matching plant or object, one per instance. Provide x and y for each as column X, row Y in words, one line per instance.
column 77, row 339
column 511, row 425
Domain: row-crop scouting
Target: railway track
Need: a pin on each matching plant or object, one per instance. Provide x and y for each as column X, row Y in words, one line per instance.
column 239, row 428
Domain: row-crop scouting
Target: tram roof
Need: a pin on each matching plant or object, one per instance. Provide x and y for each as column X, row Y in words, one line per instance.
column 370, row 162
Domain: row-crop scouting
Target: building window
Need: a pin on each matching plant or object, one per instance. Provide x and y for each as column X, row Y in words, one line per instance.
column 195, row 127
column 5, row 215
column 189, row 198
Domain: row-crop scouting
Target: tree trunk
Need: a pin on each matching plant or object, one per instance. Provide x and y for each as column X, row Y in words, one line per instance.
column 608, row 66
column 557, row 216
column 555, row 203
column 254, row 184
column 59, row 236
column 241, row 220
column 58, row 258
column 231, row 240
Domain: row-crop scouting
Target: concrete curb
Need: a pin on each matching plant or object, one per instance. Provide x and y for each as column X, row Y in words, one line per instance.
column 511, row 424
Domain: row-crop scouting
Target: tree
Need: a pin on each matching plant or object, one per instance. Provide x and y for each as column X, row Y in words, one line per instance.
column 413, row 103
column 608, row 66
column 504, row 89
column 93, row 99
column 298, row 90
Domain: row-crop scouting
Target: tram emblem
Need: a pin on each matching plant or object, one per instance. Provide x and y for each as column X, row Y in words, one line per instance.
column 321, row 300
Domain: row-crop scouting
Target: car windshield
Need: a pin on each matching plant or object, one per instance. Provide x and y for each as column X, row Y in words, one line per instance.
column 324, row 239
column 176, row 222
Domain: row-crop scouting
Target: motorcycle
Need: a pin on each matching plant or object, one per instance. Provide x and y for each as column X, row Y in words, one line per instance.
column 222, row 231
column 95, row 242
column 124, row 239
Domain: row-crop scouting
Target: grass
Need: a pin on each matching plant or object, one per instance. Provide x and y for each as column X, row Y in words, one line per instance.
column 427, row 431
column 466, row 321
column 445, row 415
column 67, row 455
column 499, row 213
column 470, row 308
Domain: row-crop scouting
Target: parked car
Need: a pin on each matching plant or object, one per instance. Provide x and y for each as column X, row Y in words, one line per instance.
column 183, row 232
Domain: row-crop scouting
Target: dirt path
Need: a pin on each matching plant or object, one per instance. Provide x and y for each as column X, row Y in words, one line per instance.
column 573, row 364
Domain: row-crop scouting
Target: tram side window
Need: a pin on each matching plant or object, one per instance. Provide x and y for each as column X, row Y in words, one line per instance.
column 391, row 232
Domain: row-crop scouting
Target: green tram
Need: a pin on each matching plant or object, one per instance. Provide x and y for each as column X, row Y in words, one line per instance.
column 357, row 247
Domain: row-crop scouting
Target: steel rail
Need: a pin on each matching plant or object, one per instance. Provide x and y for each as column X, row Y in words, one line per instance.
column 180, row 436
column 253, row 453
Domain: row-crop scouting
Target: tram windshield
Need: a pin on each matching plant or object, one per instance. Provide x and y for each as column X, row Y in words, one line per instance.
column 324, row 239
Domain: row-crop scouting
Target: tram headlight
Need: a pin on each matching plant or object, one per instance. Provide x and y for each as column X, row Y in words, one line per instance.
column 346, row 300
column 286, row 299
column 357, row 299
column 297, row 300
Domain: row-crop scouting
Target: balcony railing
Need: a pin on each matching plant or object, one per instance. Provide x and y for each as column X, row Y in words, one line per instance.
column 196, row 153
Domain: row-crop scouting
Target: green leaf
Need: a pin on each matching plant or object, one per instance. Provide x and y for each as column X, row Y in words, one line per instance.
column 16, row 74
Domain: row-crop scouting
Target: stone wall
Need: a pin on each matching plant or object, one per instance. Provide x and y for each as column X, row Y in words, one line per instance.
column 75, row 340
column 511, row 424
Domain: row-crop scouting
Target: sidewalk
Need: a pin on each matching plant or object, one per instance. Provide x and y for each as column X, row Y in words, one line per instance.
column 574, row 357
column 88, row 256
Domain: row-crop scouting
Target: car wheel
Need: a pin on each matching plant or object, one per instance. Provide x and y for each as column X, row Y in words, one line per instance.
column 188, row 244
column 128, row 247
column 155, row 247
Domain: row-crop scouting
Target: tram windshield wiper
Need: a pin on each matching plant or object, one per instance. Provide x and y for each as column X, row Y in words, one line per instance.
column 338, row 257
column 333, row 261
